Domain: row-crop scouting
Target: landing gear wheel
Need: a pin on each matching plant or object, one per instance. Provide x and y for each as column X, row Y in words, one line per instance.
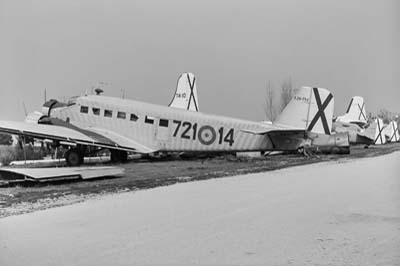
column 74, row 157
column 118, row 156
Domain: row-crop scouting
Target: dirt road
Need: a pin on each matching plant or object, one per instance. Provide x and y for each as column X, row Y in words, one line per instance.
column 332, row 213
column 149, row 174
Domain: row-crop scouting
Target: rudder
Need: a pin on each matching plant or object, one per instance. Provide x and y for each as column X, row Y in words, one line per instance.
column 392, row 132
column 185, row 96
column 379, row 134
column 310, row 109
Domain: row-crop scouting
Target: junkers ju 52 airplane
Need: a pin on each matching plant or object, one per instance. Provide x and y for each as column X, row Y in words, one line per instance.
column 95, row 122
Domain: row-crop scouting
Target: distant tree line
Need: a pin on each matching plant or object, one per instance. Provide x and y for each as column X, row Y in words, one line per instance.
column 388, row 116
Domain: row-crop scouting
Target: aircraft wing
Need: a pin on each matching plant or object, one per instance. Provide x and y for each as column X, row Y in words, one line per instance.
column 74, row 135
column 282, row 138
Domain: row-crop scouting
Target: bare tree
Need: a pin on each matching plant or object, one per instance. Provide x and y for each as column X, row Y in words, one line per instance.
column 385, row 115
column 270, row 105
column 274, row 104
column 286, row 92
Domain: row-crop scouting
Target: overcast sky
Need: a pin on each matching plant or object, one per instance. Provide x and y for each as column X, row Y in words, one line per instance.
column 233, row 47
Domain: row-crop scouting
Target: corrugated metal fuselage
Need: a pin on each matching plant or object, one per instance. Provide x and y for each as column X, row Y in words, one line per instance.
column 164, row 128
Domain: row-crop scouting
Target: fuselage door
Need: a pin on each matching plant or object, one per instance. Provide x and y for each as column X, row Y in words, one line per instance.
column 163, row 135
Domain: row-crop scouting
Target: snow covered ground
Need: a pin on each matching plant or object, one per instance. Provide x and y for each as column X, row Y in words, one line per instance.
column 341, row 213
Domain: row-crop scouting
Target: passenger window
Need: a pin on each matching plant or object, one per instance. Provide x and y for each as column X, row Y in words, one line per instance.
column 163, row 123
column 121, row 115
column 84, row 109
column 96, row 111
column 149, row 120
column 134, row 117
column 107, row 113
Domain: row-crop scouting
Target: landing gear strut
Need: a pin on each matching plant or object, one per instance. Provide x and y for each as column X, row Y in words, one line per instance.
column 74, row 157
column 118, row 156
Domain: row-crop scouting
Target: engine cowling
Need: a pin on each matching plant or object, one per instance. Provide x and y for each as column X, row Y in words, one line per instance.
column 34, row 117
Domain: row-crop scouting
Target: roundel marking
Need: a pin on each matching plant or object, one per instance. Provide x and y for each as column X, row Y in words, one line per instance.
column 207, row 135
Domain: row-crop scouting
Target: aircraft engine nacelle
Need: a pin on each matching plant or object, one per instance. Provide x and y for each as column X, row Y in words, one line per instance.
column 51, row 104
column 34, row 117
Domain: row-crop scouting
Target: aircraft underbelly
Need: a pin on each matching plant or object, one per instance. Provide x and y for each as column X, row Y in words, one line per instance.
column 287, row 141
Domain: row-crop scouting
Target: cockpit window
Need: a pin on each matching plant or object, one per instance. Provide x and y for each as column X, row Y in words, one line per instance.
column 96, row 111
column 121, row 115
column 84, row 109
column 134, row 117
column 107, row 113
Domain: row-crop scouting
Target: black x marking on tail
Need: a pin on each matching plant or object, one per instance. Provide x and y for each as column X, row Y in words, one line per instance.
column 361, row 111
column 348, row 108
column 191, row 85
column 380, row 132
column 321, row 111
column 394, row 133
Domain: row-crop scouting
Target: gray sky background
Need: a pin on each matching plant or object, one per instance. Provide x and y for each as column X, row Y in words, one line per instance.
column 233, row 47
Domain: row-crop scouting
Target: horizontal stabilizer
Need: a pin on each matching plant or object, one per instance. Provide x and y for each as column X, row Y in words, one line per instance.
column 369, row 132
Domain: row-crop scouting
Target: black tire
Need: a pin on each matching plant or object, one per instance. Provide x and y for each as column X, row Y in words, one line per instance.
column 118, row 156
column 74, row 157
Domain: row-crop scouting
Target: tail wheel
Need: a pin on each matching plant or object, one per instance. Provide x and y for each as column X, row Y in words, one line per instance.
column 300, row 150
column 74, row 157
column 335, row 150
column 118, row 156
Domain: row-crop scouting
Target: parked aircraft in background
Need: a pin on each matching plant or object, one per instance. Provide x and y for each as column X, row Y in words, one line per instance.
column 355, row 123
column 391, row 132
column 93, row 122
column 356, row 113
column 379, row 133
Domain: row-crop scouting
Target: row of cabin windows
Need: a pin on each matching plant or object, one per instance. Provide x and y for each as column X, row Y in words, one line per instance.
column 108, row 113
column 162, row 122
column 122, row 115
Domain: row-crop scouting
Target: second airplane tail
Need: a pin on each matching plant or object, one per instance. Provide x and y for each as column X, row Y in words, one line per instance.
column 356, row 112
column 186, row 93
column 310, row 109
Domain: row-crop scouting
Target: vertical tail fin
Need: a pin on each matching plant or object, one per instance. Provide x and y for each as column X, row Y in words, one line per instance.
column 310, row 109
column 186, row 93
column 392, row 132
column 379, row 134
column 356, row 112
